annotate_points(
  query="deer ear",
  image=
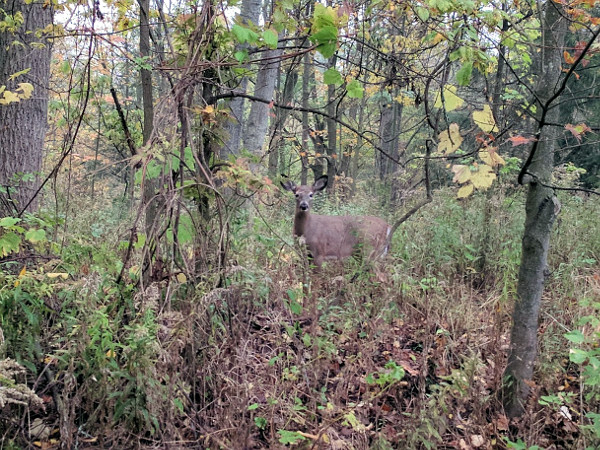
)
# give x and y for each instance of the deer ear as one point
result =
(289, 186)
(320, 183)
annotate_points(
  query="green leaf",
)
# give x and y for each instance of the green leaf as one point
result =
(34, 236)
(244, 34)
(423, 13)
(355, 89)
(326, 40)
(327, 50)
(370, 379)
(323, 17)
(575, 336)
(7, 222)
(9, 243)
(179, 404)
(463, 76)
(295, 307)
(261, 422)
(289, 437)
(253, 406)
(577, 356)
(241, 56)
(140, 241)
(271, 39)
(332, 76)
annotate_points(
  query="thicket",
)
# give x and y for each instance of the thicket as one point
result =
(408, 354)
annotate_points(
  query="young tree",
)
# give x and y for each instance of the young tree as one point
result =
(542, 208)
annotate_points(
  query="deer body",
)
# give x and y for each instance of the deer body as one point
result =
(336, 237)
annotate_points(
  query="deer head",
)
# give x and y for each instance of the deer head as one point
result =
(335, 237)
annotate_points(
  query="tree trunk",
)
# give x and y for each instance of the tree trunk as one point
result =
(305, 127)
(23, 124)
(389, 138)
(249, 12)
(149, 185)
(541, 210)
(331, 131)
(258, 120)
(281, 115)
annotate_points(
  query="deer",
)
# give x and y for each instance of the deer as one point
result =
(336, 237)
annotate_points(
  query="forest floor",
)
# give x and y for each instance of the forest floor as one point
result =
(406, 355)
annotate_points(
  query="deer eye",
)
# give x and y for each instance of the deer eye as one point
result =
(310, 195)
(297, 195)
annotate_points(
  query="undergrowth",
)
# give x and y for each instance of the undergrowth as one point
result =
(406, 353)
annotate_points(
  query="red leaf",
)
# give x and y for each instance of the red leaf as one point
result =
(568, 58)
(578, 130)
(520, 140)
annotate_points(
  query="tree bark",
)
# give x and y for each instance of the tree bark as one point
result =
(281, 114)
(389, 138)
(249, 12)
(148, 106)
(306, 73)
(541, 210)
(258, 120)
(331, 131)
(23, 124)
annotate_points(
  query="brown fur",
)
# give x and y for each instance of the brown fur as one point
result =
(335, 237)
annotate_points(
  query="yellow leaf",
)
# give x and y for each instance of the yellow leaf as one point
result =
(404, 99)
(9, 97)
(18, 74)
(63, 275)
(18, 282)
(181, 278)
(23, 271)
(111, 354)
(462, 174)
(484, 177)
(451, 100)
(439, 37)
(490, 157)
(450, 140)
(465, 191)
(485, 120)
(25, 90)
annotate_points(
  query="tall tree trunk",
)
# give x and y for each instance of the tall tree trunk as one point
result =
(541, 210)
(306, 73)
(258, 120)
(149, 189)
(281, 114)
(389, 137)
(353, 173)
(23, 124)
(331, 131)
(249, 12)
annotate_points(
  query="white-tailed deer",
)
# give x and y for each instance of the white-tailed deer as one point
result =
(336, 237)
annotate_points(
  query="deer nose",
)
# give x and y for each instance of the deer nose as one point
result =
(303, 206)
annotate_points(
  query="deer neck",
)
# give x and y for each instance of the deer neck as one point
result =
(301, 220)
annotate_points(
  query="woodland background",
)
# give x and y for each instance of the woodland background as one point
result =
(152, 294)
